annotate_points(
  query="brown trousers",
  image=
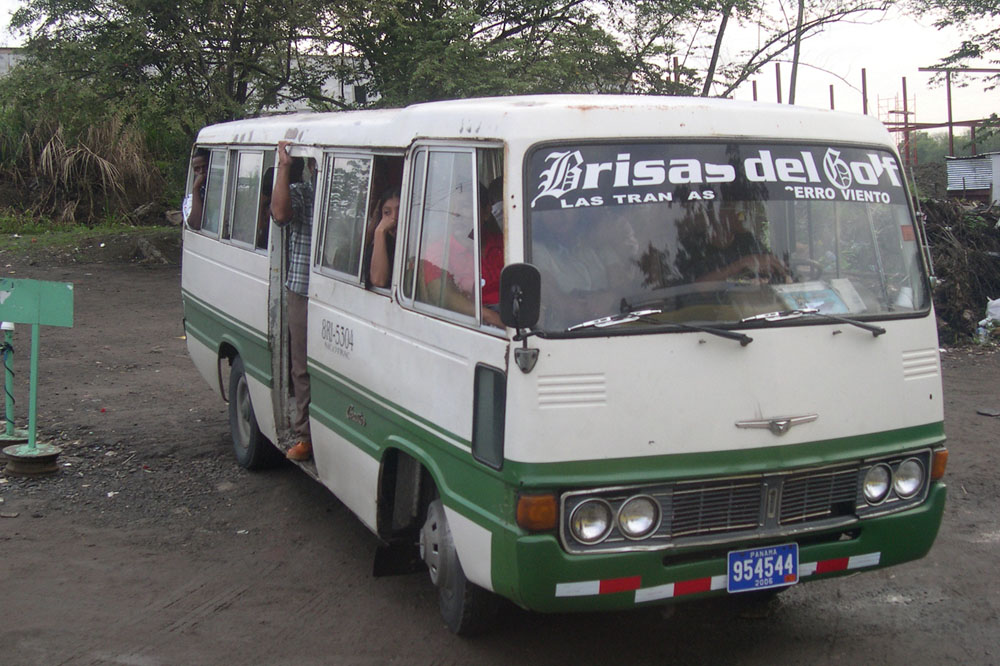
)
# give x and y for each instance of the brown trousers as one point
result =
(297, 320)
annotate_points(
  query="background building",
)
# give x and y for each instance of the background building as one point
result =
(976, 178)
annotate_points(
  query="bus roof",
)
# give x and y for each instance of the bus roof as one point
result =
(529, 119)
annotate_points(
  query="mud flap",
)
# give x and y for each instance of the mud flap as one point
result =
(396, 559)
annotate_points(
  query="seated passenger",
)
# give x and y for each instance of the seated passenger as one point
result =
(491, 256)
(576, 284)
(382, 248)
(193, 207)
(567, 255)
(454, 286)
(495, 193)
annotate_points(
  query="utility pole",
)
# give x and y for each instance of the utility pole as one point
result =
(947, 79)
(795, 52)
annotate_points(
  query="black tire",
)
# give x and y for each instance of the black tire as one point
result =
(467, 609)
(252, 449)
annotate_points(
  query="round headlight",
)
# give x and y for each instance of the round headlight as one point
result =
(877, 482)
(909, 478)
(639, 517)
(591, 521)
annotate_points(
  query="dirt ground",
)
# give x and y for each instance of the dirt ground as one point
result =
(152, 547)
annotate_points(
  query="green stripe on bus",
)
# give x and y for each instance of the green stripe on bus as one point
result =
(731, 462)
(213, 327)
(582, 473)
(316, 368)
(374, 424)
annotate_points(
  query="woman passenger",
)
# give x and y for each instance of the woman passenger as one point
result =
(383, 245)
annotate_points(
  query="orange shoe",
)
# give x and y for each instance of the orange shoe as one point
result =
(301, 451)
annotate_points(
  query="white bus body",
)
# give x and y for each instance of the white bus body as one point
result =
(675, 427)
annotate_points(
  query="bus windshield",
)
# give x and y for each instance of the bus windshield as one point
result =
(717, 233)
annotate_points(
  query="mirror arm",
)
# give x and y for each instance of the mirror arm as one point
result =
(525, 357)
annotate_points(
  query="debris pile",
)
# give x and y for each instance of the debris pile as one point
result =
(965, 247)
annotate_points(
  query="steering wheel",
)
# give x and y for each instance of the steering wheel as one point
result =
(800, 266)
(767, 269)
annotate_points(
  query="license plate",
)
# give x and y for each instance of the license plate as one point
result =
(763, 568)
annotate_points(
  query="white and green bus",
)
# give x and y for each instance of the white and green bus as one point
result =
(717, 371)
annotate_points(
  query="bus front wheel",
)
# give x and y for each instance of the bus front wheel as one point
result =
(252, 449)
(467, 609)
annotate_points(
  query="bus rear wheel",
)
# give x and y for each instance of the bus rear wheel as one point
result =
(252, 449)
(467, 609)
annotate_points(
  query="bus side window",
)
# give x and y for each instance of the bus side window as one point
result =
(245, 189)
(344, 215)
(446, 268)
(264, 205)
(489, 169)
(386, 184)
(417, 186)
(214, 189)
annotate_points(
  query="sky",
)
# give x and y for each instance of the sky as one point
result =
(888, 49)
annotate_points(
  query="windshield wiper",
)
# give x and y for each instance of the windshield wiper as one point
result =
(635, 315)
(785, 315)
(615, 319)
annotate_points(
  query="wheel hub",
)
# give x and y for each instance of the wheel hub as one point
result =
(435, 543)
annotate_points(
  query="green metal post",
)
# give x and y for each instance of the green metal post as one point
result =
(33, 400)
(34, 302)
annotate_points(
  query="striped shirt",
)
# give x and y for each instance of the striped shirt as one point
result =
(300, 237)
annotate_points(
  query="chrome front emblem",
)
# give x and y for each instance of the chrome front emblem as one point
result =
(780, 425)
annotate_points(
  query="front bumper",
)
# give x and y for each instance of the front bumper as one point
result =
(546, 578)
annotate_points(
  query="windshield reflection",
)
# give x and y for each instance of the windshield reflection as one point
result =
(723, 252)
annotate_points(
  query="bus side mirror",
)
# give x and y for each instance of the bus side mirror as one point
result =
(520, 295)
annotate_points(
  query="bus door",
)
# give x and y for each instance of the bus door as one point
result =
(281, 390)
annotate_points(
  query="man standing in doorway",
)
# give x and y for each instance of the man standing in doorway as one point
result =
(292, 204)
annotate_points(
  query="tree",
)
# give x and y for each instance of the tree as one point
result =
(407, 51)
(67, 155)
(200, 60)
(165, 68)
(978, 19)
(147, 74)
(780, 28)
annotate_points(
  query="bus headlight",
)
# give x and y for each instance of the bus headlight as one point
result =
(909, 478)
(591, 521)
(877, 482)
(639, 517)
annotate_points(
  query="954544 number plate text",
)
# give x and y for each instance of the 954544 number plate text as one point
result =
(763, 568)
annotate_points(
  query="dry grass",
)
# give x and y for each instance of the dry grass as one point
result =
(965, 246)
(105, 172)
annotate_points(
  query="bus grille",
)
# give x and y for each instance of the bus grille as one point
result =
(740, 509)
(817, 495)
(710, 508)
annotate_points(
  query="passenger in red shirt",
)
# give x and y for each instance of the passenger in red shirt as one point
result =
(459, 278)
